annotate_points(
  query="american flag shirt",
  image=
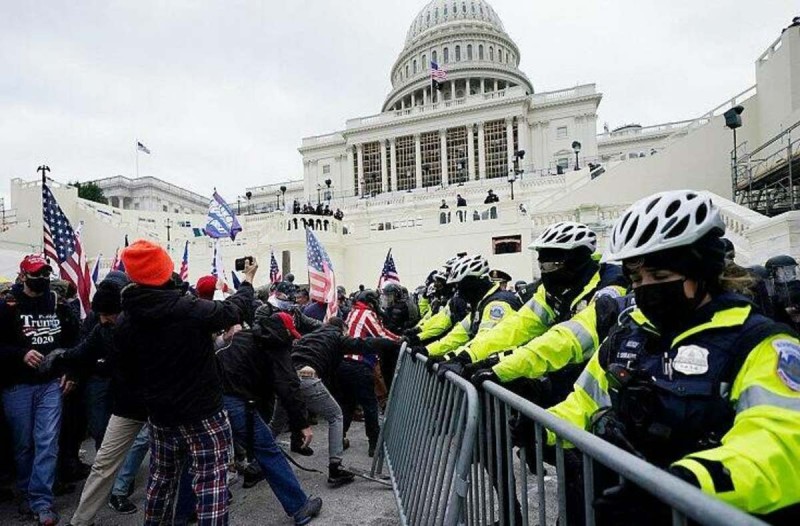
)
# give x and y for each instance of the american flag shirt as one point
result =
(363, 322)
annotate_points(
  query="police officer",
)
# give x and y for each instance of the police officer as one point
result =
(454, 309)
(500, 277)
(394, 308)
(488, 306)
(571, 280)
(781, 271)
(691, 378)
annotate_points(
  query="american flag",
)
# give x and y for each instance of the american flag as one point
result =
(63, 245)
(438, 74)
(322, 281)
(184, 272)
(389, 272)
(274, 271)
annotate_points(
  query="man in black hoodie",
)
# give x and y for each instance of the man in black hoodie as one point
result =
(33, 324)
(171, 335)
(255, 365)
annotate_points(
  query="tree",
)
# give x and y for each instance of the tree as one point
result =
(90, 191)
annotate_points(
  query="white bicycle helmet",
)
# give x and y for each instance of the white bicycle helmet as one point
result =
(566, 236)
(475, 266)
(662, 221)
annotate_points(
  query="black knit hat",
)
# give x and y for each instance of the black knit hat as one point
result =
(107, 298)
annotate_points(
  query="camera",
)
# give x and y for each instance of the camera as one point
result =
(240, 263)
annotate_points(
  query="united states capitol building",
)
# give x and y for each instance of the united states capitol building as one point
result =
(484, 128)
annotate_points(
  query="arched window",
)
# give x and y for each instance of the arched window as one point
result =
(406, 70)
(428, 18)
(445, 11)
(446, 55)
(480, 52)
(463, 7)
(415, 67)
(458, 53)
(469, 51)
(473, 9)
(436, 14)
(434, 57)
(499, 54)
(425, 61)
(491, 53)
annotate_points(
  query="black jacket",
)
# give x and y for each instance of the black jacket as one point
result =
(169, 334)
(98, 352)
(257, 365)
(324, 348)
(42, 324)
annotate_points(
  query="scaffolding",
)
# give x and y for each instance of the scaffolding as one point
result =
(406, 163)
(431, 159)
(372, 168)
(766, 179)
(496, 145)
(457, 155)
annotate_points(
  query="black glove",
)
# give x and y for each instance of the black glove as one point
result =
(53, 363)
(607, 425)
(484, 375)
(522, 431)
(471, 368)
(432, 361)
(455, 364)
(412, 339)
(418, 350)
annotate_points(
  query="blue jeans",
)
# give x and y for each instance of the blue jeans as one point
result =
(34, 416)
(98, 407)
(269, 456)
(133, 462)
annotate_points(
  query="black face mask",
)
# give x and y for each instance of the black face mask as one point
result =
(665, 305)
(38, 285)
(557, 281)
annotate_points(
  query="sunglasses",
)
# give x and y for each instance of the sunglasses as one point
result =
(550, 266)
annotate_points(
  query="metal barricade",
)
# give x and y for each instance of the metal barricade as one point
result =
(451, 459)
(575, 474)
(427, 442)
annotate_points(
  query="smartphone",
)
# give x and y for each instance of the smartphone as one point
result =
(240, 263)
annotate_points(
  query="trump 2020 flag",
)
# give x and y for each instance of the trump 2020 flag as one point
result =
(222, 221)
(322, 281)
(389, 272)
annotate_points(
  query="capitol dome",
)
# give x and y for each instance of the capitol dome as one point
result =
(468, 40)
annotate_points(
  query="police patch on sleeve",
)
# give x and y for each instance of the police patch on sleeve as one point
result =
(788, 363)
(497, 312)
(608, 292)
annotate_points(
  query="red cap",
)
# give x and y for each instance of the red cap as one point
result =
(34, 263)
(288, 322)
(206, 287)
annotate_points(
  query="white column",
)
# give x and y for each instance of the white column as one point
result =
(483, 85)
(470, 152)
(424, 96)
(403, 103)
(443, 146)
(481, 151)
(393, 161)
(348, 171)
(384, 171)
(495, 84)
(524, 140)
(360, 153)
(452, 90)
(510, 142)
(418, 159)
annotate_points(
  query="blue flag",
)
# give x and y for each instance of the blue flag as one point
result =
(235, 280)
(222, 221)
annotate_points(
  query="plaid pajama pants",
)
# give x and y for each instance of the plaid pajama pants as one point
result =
(205, 446)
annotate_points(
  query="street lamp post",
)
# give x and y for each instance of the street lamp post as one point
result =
(733, 120)
(169, 226)
(248, 195)
(283, 195)
(278, 200)
(328, 193)
(511, 178)
(576, 147)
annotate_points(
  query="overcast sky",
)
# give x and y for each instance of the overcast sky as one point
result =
(222, 92)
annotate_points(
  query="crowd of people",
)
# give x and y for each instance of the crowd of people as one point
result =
(319, 210)
(665, 348)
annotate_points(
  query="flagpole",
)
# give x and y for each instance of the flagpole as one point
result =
(136, 147)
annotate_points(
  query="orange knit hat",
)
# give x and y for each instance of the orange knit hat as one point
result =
(146, 263)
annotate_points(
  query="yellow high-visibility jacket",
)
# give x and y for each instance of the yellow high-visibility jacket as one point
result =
(537, 316)
(756, 467)
(495, 306)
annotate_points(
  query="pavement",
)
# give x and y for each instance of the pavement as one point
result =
(361, 503)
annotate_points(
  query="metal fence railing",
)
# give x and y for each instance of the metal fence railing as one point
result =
(452, 459)
(427, 442)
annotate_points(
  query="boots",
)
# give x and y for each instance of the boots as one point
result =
(337, 476)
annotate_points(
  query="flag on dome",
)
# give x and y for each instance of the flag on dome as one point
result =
(63, 245)
(321, 279)
(389, 272)
(438, 75)
(222, 222)
(184, 272)
(142, 148)
(274, 271)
